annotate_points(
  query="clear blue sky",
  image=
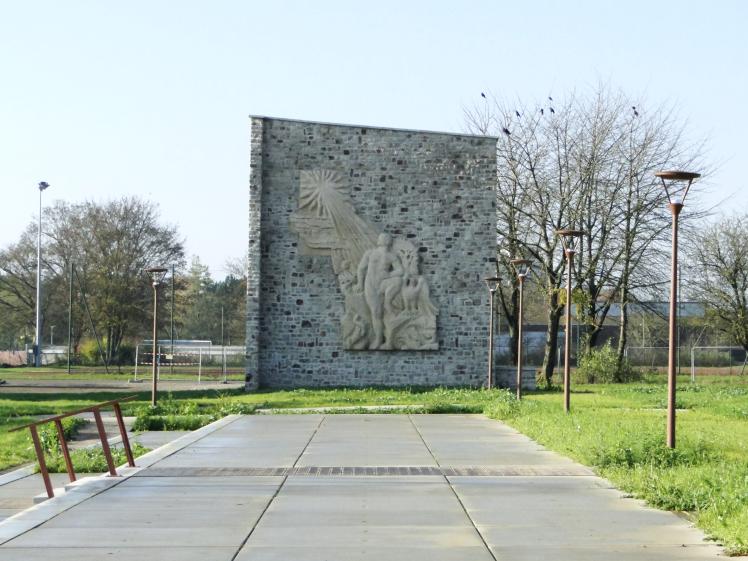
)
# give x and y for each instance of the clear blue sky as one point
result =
(104, 99)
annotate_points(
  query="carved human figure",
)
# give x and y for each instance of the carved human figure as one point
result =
(380, 276)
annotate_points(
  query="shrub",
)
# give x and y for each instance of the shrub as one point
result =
(171, 422)
(600, 365)
(91, 460)
(649, 450)
(505, 406)
(88, 353)
(48, 433)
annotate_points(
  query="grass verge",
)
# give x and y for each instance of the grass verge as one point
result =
(91, 460)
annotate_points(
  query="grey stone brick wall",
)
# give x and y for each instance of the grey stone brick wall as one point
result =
(254, 262)
(434, 189)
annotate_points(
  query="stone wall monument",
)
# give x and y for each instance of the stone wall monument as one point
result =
(367, 248)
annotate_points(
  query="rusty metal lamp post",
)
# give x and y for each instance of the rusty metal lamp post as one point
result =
(569, 239)
(493, 285)
(157, 275)
(676, 184)
(522, 266)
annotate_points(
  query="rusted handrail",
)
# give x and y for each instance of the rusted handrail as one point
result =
(57, 420)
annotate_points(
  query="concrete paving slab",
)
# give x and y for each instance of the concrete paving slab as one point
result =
(203, 499)
(371, 440)
(119, 537)
(478, 441)
(155, 439)
(165, 552)
(266, 441)
(364, 553)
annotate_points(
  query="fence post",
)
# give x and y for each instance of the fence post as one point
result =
(223, 354)
(136, 362)
(693, 365)
(157, 358)
(199, 364)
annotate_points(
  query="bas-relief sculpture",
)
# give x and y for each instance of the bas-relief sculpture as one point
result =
(387, 302)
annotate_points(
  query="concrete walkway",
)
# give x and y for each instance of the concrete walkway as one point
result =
(353, 487)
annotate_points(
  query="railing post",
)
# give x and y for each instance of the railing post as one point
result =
(42, 463)
(123, 433)
(104, 442)
(65, 451)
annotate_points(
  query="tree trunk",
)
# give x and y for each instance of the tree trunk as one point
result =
(591, 337)
(551, 338)
(512, 319)
(624, 329)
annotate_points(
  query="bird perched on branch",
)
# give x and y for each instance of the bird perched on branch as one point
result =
(552, 110)
(633, 108)
(505, 131)
(483, 95)
(541, 111)
(517, 113)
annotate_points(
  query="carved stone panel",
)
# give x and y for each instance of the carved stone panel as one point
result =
(387, 300)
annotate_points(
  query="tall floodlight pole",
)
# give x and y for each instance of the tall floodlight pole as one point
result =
(38, 334)
(569, 239)
(493, 285)
(676, 184)
(171, 330)
(157, 275)
(522, 267)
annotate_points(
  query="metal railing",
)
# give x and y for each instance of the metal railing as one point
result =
(57, 420)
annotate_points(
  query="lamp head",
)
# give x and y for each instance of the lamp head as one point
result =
(569, 238)
(522, 266)
(43, 185)
(492, 283)
(676, 184)
(157, 274)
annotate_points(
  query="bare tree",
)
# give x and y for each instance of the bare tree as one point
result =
(719, 255)
(587, 163)
(537, 189)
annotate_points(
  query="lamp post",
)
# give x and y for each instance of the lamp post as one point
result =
(569, 239)
(522, 266)
(676, 185)
(157, 275)
(493, 285)
(38, 333)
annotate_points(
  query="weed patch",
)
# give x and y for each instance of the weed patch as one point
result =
(91, 460)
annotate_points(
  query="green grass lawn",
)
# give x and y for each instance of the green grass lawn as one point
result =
(617, 429)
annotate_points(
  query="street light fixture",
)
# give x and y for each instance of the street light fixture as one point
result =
(38, 334)
(676, 185)
(569, 240)
(157, 275)
(522, 266)
(493, 285)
